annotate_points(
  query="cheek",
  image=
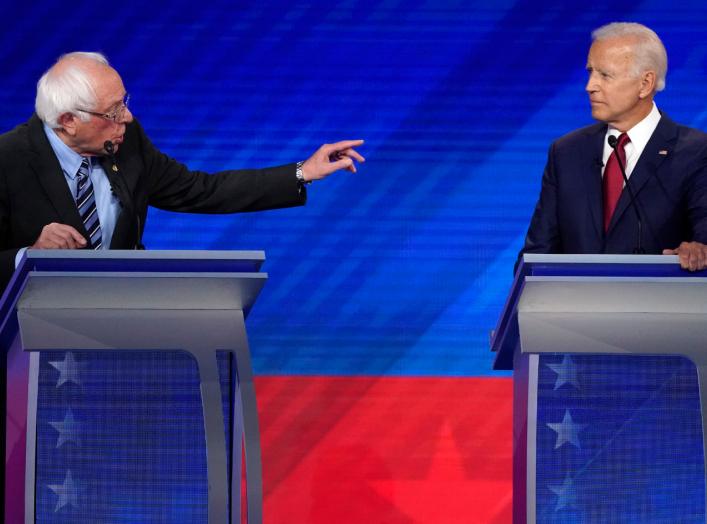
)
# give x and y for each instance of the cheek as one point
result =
(101, 132)
(626, 91)
(624, 99)
(615, 96)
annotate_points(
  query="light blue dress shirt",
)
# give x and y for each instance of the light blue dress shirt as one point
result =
(107, 204)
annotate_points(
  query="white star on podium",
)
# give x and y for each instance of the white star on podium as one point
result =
(567, 431)
(69, 370)
(566, 373)
(67, 492)
(566, 494)
(68, 429)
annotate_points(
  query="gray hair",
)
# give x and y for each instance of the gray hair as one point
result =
(67, 89)
(649, 52)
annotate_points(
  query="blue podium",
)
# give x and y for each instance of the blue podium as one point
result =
(130, 394)
(609, 355)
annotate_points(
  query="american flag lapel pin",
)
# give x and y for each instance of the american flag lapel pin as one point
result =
(663, 152)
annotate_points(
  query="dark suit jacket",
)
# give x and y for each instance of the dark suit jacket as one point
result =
(669, 183)
(34, 192)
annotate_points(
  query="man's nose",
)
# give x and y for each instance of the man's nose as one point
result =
(126, 117)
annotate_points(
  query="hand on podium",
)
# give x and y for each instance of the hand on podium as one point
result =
(693, 255)
(59, 236)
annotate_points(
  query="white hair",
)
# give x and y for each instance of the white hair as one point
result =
(648, 52)
(66, 89)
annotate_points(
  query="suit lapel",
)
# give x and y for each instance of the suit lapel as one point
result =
(123, 179)
(658, 148)
(592, 159)
(48, 170)
(116, 184)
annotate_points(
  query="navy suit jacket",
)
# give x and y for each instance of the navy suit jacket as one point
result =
(34, 192)
(669, 182)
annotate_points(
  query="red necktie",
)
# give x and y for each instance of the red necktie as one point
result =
(613, 182)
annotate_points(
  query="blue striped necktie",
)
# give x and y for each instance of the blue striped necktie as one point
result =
(86, 203)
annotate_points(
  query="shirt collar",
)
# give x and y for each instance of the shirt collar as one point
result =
(69, 160)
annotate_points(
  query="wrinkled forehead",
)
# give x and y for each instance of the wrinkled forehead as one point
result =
(108, 86)
(612, 54)
(617, 47)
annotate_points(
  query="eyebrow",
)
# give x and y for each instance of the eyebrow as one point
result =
(598, 69)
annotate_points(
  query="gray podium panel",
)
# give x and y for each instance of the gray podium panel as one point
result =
(597, 307)
(197, 311)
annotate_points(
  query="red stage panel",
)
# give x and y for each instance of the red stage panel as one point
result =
(386, 450)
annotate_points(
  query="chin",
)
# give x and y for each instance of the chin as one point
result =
(599, 115)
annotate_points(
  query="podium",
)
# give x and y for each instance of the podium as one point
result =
(609, 357)
(183, 305)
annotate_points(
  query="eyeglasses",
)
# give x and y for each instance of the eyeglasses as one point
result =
(115, 115)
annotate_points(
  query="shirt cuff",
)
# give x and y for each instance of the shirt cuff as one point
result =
(19, 255)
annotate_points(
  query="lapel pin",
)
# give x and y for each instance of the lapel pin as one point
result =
(115, 168)
(663, 152)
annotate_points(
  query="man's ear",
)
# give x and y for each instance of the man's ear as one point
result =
(68, 121)
(648, 83)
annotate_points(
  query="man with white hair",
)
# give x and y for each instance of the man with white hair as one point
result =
(81, 172)
(585, 206)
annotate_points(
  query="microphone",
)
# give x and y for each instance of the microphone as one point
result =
(613, 143)
(110, 149)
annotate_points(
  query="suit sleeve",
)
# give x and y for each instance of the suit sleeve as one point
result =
(697, 198)
(7, 254)
(544, 233)
(172, 186)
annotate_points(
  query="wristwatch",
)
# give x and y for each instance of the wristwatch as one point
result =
(300, 175)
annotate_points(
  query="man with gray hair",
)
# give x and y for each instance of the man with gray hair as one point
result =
(81, 172)
(585, 206)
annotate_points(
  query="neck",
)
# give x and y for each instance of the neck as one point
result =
(68, 140)
(641, 112)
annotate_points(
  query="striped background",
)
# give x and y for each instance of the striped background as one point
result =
(371, 338)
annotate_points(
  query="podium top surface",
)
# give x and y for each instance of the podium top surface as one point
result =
(505, 336)
(43, 275)
(144, 254)
(611, 263)
(141, 260)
